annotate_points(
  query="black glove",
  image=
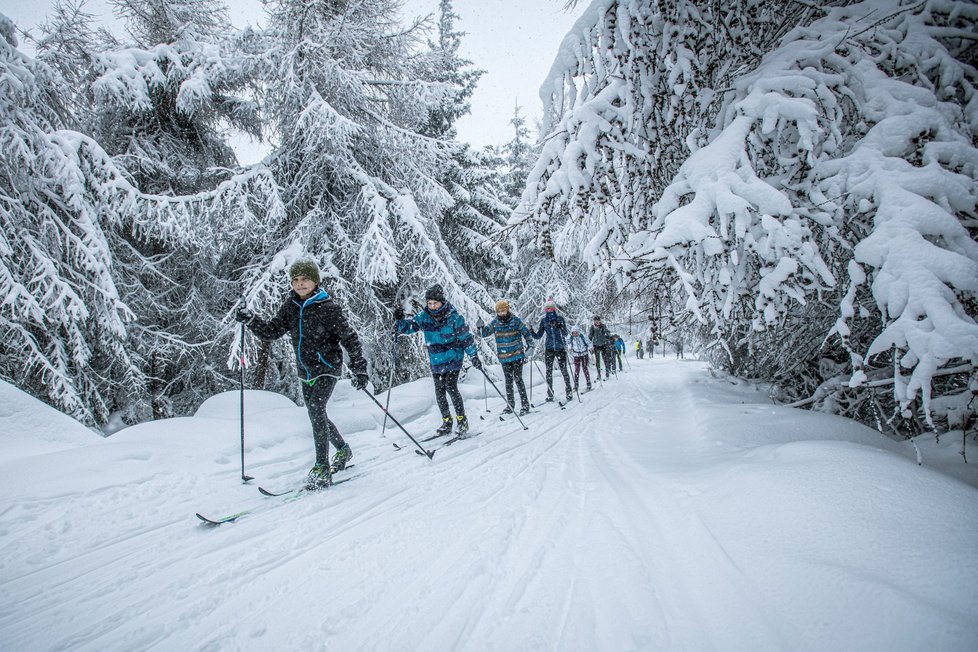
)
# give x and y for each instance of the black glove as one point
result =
(244, 315)
(476, 362)
(398, 313)
(359, 381)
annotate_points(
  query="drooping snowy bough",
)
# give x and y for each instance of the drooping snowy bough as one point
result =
(800, 178)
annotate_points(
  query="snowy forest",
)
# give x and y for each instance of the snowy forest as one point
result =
(788, 190)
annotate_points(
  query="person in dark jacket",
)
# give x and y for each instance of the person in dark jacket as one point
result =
(513, 346)
(448, 339)
(619, 349)
(318, 328)
(600, 338)
(555, 328)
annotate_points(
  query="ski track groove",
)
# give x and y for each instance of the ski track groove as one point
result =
(556, 486)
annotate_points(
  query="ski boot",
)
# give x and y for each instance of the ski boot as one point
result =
(525, 410)
(507, 410)
(342, 458)
(445, 427)
(461, 426)
(319, 477)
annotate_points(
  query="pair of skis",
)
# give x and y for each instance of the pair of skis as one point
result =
(287, 496)
(457, 438)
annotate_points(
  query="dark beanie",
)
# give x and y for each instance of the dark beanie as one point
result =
(435, 293)
(305, 268)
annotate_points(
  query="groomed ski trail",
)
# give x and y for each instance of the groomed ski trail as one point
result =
(605, 526)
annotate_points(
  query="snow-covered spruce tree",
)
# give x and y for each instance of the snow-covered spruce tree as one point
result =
(534, 273)
(472, 224)
(818, 200)
(347, 88)
(62, 325)
(163, 100)
(518, 157)
(65, 330)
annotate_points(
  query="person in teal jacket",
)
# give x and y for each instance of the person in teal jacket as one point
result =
(448, 339)
(513, 344)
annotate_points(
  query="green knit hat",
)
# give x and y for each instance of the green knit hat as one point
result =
(305, 268)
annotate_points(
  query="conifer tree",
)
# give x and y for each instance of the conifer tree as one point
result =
(754, 161)
(352, 99)
(162, 101)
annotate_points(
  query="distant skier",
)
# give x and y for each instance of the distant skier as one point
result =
(317, 327)
(513, 346)
(600, 338)
(580, 346)
(555, 328)
(639, 349)
(448, 339)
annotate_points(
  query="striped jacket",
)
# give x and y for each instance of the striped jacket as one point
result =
(510, 332)
(445, 333)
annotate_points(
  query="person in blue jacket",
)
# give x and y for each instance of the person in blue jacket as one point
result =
(511, 334)
(555, 328)
(448, 339)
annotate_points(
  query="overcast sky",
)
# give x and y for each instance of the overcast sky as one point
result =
(515, 41)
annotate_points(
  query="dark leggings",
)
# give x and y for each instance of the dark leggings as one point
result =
(323, 430)
(603, 353)
(548, 360)
(447, 383)
(579, 362)
(513, 372)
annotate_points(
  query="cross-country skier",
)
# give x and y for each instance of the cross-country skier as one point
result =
(580, 346)
(448, 339)
(555, 328)
(318, 327)
(600, 338)
(513, 346)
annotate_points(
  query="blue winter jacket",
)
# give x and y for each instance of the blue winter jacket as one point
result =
(556, 329)
(510, 332)
(446, 334)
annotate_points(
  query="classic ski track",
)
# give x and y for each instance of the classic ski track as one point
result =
(673, 524)
(550, 487)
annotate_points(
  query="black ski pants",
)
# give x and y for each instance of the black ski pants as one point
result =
(446, 385)
(548, 359)
(604, 353)
(324, 431)
(513, 373)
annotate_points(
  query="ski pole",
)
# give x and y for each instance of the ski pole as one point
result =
(397, 423)
(241, 362)
(390, 384)
(504, 398)
(485, 393)
(543, 375)
(567, 364)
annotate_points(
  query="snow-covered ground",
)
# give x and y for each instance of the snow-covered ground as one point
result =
(672, 510)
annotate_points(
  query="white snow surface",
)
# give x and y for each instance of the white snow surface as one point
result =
(29, 427)
(672, 510)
